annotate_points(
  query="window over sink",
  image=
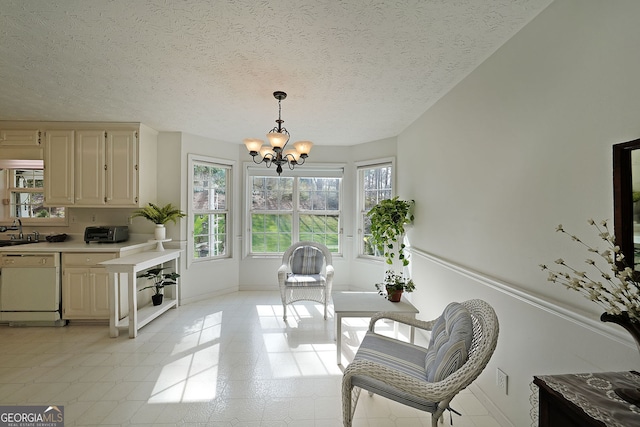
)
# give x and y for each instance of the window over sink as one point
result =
(24, 198)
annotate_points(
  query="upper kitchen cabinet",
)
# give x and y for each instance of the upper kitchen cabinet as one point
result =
(110, 165)
(58, 150)
(19, 137)
(107, 171)
(19, 144)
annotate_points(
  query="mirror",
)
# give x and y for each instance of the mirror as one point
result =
(626, 199)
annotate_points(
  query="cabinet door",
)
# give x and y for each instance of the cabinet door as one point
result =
(100, 293)
(122, 168)
(12, 137)
(76, 294)
(90, 168)
(58, 168)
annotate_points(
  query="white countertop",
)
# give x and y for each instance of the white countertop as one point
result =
(75, 245)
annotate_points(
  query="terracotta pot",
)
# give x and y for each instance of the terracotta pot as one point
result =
(394, 295)
(630, 395)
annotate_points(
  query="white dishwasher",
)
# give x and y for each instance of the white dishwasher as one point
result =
(30, 289)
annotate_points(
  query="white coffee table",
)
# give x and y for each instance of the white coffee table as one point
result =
(364, 304)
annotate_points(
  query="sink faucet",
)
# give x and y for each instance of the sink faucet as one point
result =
(19, 221)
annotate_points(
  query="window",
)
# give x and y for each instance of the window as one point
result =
(375, 183)
(25, 190)
(289, 209)
(210, 208)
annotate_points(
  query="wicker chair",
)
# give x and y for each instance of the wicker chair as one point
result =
(306, 274)
(399, 376)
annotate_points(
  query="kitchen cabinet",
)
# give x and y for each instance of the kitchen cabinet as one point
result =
(19, 137)
(85, 285)
(108, 166)
(59, 166)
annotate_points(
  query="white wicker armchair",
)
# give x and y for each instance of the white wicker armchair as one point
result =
(306, 274)
(401, 378)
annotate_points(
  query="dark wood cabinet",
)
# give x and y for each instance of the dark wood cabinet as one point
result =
(586, 400)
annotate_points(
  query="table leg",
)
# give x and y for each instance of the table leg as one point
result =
(339, 338)
(113, 304)
(133, 306)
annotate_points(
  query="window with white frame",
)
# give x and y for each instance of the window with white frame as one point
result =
(25, 194)
(210, 208)
(375, 183)
(303, 206)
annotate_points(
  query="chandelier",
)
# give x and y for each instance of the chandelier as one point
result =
(278, 138)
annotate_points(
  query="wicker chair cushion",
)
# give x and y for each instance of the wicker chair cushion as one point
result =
(398, 355)
(305, 280)
(450, 342)
(306, 260)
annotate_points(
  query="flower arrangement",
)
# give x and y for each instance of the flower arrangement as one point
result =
(609, 281)
(395, 282)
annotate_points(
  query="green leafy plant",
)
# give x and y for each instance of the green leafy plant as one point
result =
(159, 215)
(388, 219)
(395, 282)
(160, 279)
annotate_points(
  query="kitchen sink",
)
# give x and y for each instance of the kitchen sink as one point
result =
(15, 242)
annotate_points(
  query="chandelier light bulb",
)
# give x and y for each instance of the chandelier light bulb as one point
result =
(253, 144)
(277, 140)
(264, 151)
(292, 154)
(303, 147)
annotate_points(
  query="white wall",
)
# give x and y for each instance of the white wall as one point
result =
(205, 278)
(519, 146)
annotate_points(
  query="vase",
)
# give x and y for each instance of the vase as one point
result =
(631, 395)
(394, 295)
(160, 233)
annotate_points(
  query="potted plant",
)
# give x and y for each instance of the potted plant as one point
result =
(159, 216)
(388, 219)
(160, 280)
(393, 286)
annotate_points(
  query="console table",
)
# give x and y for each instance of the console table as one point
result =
(585, 400)
(131, 265)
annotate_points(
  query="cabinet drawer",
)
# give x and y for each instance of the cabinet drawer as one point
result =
(86, 259)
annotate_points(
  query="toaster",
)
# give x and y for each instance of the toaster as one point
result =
(106, 234)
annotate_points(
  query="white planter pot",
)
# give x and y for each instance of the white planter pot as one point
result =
(160, 233)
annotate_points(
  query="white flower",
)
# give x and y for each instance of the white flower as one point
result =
(618, 292)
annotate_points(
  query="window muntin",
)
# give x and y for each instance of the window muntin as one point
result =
(25, 188)
(284, 210)
(210, 208)
(375, 184)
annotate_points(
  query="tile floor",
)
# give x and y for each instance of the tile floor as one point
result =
(226, 361)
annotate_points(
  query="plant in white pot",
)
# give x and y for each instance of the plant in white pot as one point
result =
(160, 280)
(159, 215)
(388, 220)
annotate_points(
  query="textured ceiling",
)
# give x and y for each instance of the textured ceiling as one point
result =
(355, 70)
